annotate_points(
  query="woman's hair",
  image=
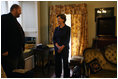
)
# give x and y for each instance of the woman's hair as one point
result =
(14, 6)
(63, 16)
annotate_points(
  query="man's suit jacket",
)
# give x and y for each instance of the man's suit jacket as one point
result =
(12, 35)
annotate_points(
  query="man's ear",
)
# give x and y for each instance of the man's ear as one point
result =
(14, 10)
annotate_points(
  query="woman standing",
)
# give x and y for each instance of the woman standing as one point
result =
(61, 44)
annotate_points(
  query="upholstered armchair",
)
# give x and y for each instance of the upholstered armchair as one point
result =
(101, 64)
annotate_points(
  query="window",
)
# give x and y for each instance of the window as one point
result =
(5, 7)
(68, 22)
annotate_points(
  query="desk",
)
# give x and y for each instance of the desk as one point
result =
(51, 55)
(40, 55)
(43, 56)
(51, 46)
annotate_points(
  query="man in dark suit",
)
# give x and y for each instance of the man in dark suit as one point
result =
(12, 41)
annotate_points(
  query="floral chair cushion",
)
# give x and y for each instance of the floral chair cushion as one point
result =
(111, 53)
(92, 53)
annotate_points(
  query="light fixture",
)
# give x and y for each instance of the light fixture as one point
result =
(104, 12)
(101, 11)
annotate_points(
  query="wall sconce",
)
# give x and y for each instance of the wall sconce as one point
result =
(101, 11)
(104, 12)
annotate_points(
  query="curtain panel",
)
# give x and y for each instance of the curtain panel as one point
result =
(79, 25)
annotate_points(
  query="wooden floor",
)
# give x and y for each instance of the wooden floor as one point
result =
(38, 73)
(51, 73)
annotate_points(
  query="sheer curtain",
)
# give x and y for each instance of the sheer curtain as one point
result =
(5, 7)
(79, 28)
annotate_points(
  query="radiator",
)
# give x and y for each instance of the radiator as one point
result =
(29, 62)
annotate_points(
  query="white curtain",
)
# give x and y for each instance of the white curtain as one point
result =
(5, 7)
